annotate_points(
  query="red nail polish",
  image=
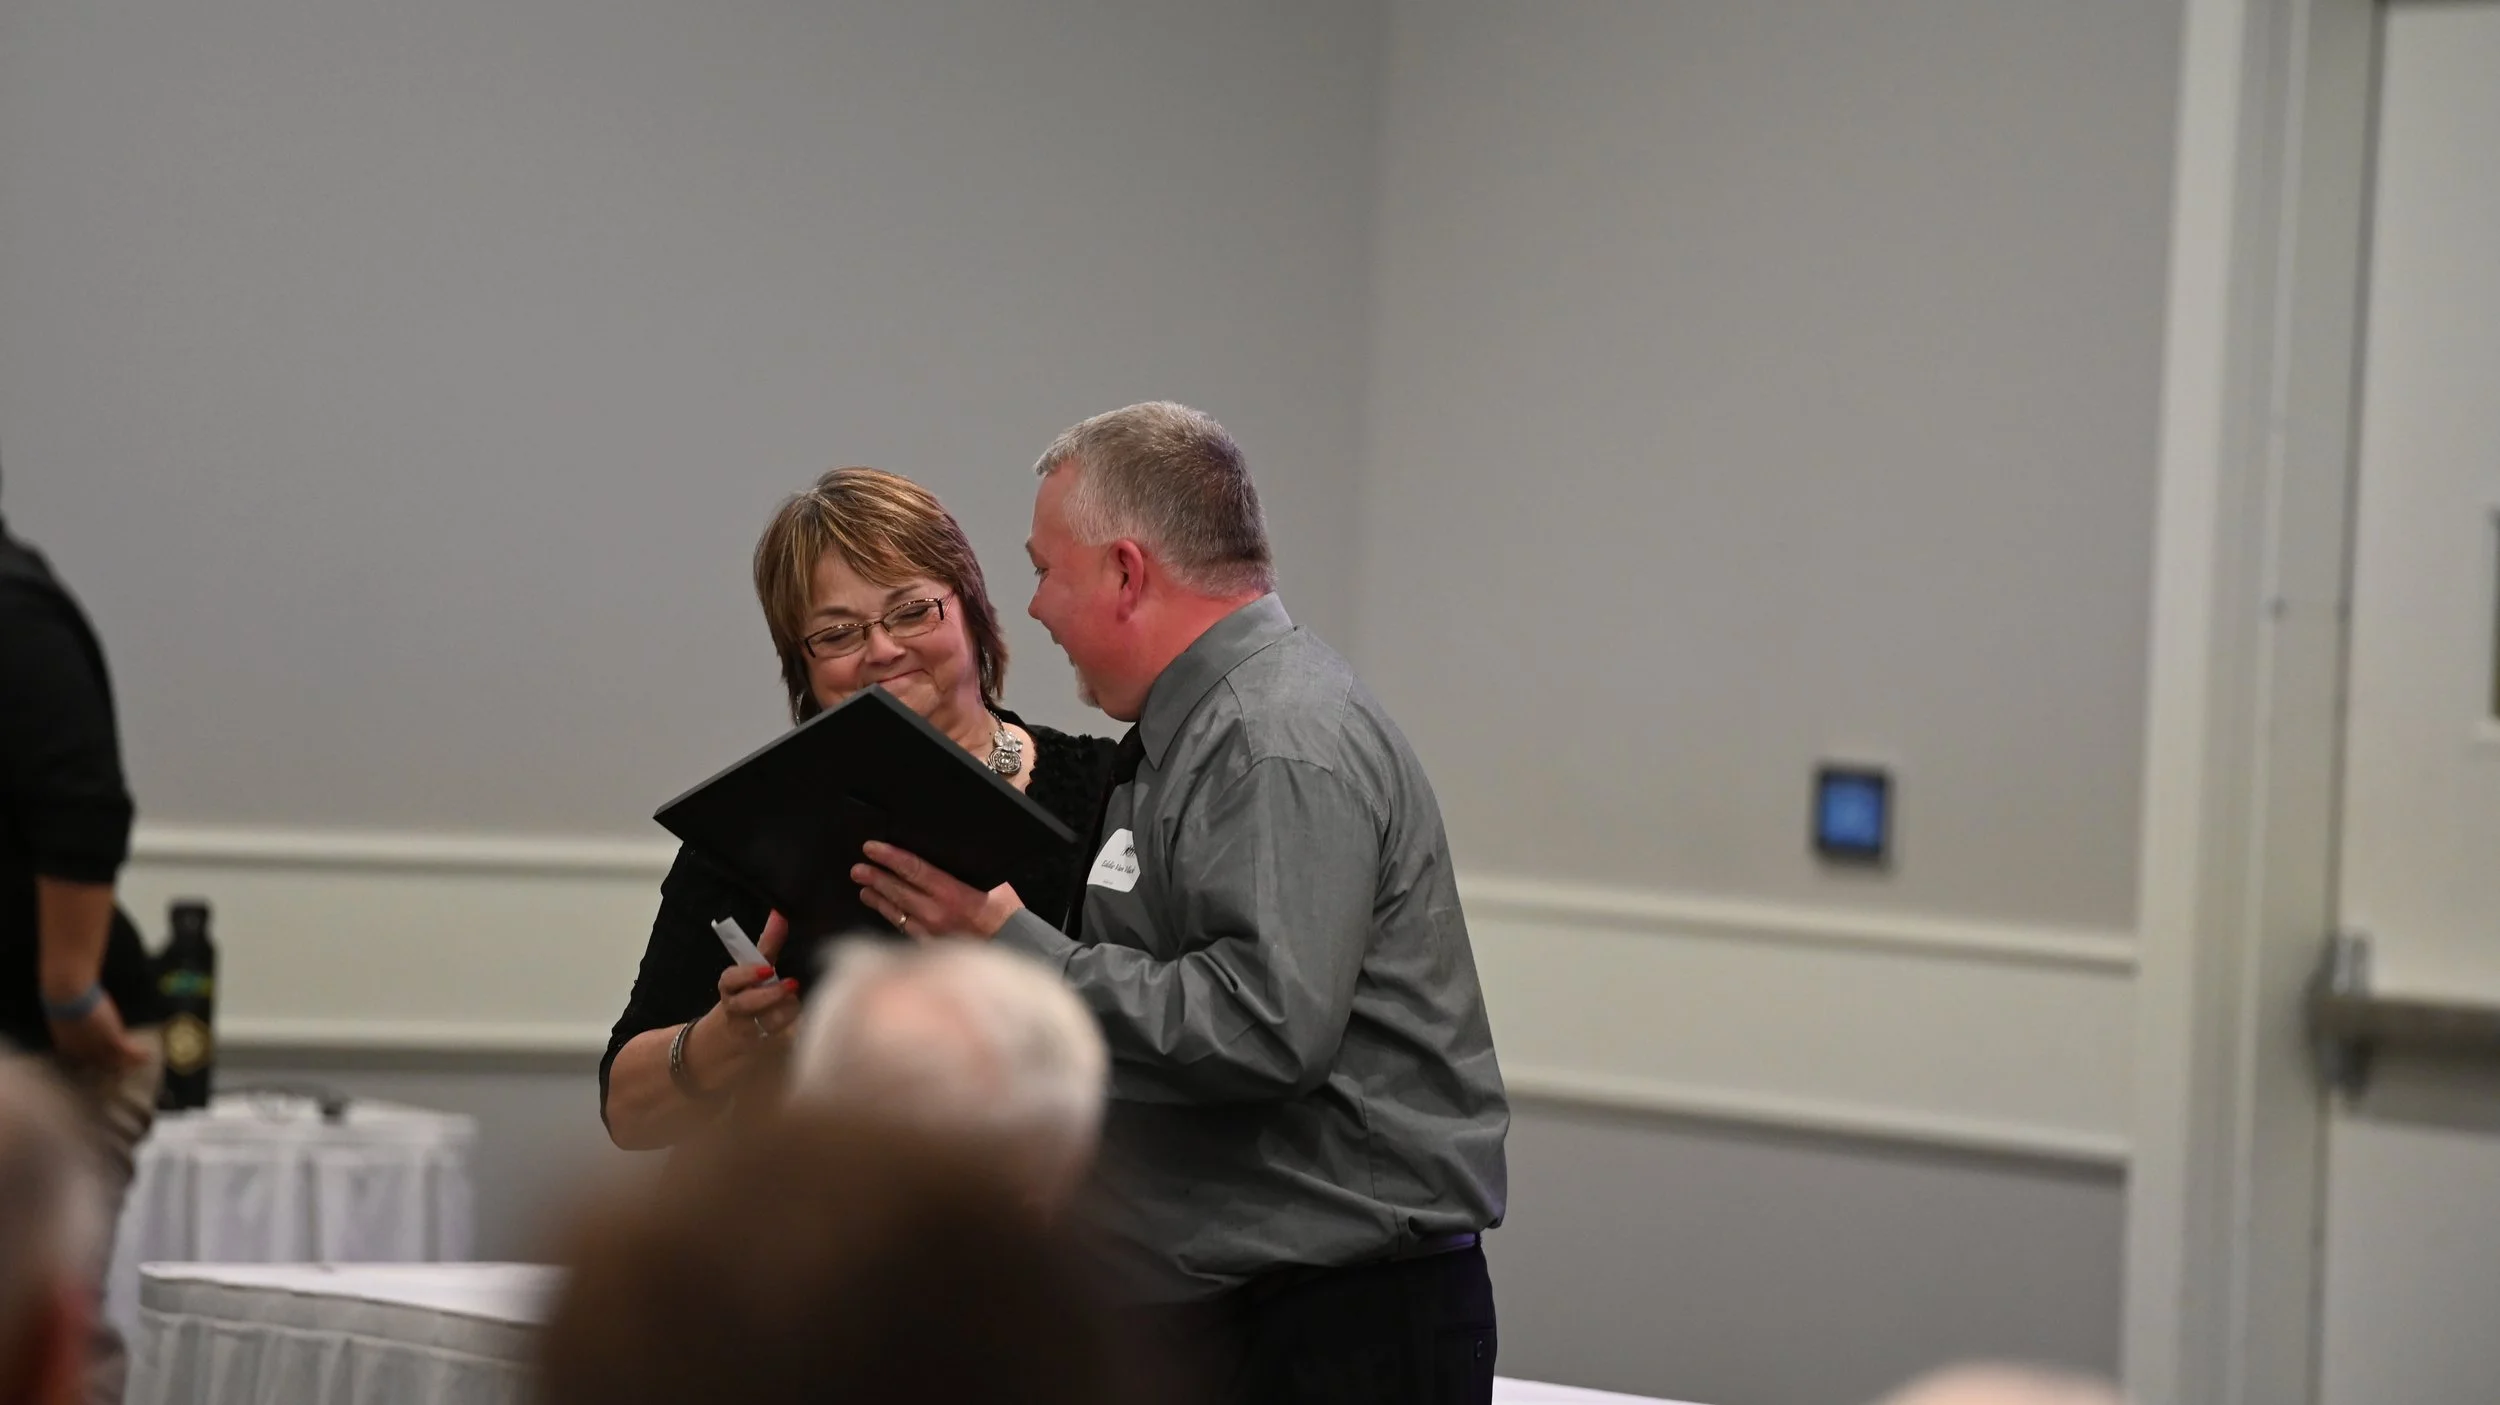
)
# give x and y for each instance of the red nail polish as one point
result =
(790, 985)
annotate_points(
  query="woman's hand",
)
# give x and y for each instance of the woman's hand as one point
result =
(923, 900)
(757, 1005)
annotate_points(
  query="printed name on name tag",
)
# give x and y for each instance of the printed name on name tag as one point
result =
(1116, 866)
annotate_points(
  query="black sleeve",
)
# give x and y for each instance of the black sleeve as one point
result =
(60, 759)
(681, 965)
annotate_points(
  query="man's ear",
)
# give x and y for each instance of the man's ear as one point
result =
(1130, 568)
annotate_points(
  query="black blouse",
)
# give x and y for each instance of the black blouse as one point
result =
(681, 965)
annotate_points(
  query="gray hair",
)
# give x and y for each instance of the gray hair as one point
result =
(1170, 478)
(963, 1039)
(53, 1222)
(1984, 1383)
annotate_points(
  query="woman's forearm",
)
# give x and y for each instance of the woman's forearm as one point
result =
(645, 1109)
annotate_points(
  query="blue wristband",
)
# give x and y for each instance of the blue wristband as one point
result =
(76, 1008)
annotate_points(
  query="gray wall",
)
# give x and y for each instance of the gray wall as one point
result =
(1713, 1263)
(1757, 383)
(403, 387)
(1752, 384)
(1654, 397)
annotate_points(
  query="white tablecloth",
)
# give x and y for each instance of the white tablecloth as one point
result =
(336, 1334)
(393, 1334)
(256, 1178)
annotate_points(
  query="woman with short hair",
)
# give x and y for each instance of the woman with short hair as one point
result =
(864, 579)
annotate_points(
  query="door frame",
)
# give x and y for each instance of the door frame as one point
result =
(2243, 727)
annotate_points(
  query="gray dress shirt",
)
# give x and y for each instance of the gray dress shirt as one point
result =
(1302, 1072)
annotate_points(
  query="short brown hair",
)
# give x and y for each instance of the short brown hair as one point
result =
(887, 528)
(1169, 477)
(823, 1259)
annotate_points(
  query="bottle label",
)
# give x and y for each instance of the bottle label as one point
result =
(188, 1044)
(187, 985)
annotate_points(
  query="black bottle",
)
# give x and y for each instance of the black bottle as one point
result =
(186, 976)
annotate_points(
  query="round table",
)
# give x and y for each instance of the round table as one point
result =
(268, 1178)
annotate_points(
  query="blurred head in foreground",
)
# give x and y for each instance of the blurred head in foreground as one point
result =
(828, 1258)
(961, 1040)
(1993, 1384)
(52, 1236)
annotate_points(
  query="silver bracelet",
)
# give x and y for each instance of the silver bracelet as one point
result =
(677, 1065)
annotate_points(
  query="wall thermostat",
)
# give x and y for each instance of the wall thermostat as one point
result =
(1853, 813)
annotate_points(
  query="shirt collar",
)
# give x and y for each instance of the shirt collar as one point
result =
(1186, 680)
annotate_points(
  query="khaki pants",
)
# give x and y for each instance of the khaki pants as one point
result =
(119, 1108)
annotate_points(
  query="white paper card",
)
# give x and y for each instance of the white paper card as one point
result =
(1116, 866)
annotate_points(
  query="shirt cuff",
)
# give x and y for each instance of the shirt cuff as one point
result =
(1028, 933)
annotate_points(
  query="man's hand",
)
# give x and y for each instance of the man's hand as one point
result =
(96, 1040)
(924, 900)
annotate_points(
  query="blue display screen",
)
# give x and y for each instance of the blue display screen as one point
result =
(1852, 813)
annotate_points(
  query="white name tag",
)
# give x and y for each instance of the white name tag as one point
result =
(1116, 866)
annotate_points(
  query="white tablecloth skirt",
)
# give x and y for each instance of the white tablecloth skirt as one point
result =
(393, 1334)
(255, 1179)
(311, 1334)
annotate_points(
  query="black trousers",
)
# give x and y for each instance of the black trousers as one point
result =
(1407, 1332)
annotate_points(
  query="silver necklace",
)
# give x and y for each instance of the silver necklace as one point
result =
(1006, 748)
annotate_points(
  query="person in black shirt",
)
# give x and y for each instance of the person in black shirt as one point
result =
(864, 578)
(75, 987)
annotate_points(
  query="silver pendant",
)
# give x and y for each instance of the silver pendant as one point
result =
(1006, 750)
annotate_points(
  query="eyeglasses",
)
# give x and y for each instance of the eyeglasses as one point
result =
(908, 620)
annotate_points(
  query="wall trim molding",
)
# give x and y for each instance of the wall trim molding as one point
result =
(1510, 896)
(412, 1036)
(270, 855)
(252, 846)
(1586, 904)
(1820, 1117)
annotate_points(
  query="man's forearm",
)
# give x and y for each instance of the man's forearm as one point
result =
(73, 921)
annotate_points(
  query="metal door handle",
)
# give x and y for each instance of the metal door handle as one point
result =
(2348, 1026)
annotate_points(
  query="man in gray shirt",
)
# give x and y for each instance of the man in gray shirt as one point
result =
(1306, 1119)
